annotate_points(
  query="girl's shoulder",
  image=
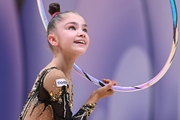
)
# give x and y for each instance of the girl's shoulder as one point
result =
(53, 77)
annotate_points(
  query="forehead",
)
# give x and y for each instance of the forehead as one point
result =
(73, 17)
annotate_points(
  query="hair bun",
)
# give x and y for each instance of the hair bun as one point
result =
(53, 8)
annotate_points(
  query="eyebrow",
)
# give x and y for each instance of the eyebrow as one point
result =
(75, 23)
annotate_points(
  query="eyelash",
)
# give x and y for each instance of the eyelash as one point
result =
(85, 30)
(70, 28)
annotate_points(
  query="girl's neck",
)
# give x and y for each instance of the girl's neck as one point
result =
(63, 63)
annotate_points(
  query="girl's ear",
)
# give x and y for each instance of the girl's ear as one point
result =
(52, 40)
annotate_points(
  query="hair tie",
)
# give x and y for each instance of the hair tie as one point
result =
(54, 15)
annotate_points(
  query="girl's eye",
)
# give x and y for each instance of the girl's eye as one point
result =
(72, 28)
(85, 30)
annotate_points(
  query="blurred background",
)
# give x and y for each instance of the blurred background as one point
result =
(130, 43)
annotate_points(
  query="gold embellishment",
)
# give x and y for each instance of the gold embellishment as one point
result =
(56, 96)
(88, 108)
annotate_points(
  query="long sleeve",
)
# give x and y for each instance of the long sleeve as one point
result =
(60, 92)
(62, 108)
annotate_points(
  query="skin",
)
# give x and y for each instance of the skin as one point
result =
(64, 40)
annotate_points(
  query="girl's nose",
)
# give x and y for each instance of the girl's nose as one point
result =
(81, 33)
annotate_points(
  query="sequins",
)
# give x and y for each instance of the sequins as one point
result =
(88, 108)
(56, 96)
(36, 107)
(33, 99)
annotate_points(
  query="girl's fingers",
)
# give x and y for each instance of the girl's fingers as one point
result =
(107, 81)
(108, 86)
(114, 83)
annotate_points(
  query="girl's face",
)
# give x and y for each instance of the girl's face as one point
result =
(72, 34)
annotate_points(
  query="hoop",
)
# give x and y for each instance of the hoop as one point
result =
(141, 86)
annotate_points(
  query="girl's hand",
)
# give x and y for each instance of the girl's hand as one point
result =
(106, 90)
(102, 92)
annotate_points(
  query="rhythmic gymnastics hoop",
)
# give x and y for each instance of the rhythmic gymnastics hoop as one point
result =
(141, 86)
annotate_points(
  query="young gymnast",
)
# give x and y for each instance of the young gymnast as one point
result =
(51, 97)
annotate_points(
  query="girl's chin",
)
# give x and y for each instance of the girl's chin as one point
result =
(80, 51)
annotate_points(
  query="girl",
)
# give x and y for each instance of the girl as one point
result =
(51, 97)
